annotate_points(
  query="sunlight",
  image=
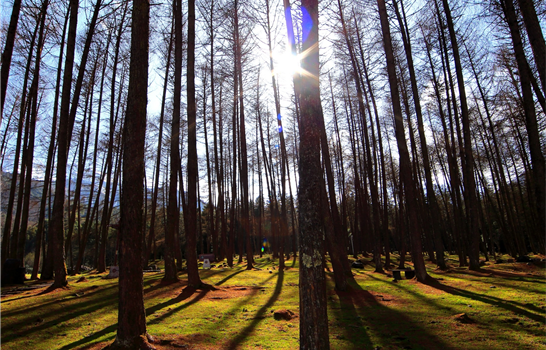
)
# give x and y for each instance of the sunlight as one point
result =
(286, 62)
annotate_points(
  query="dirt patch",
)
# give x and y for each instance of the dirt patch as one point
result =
(284, 315)
(463, 318)
(174, 290)
(232, 292)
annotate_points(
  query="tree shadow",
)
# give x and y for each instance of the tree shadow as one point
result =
(226, 314)
(60, 298)
(92, 337)
(512, 279)
(355, 332)
(185, 294)
(386, 321)
(70, 312)
(512, 306)
(224, 280)
(259, 316)
(20, 298)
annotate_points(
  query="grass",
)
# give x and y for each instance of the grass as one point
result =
(504, 306)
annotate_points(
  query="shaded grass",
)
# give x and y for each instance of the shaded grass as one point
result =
(506, 307)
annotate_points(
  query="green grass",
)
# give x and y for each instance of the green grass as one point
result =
(505, 303)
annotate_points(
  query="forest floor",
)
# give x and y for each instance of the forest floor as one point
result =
(501, 307)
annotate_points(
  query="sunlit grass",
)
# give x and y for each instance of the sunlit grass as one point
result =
(505, 303)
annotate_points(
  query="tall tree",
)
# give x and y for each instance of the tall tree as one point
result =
(8, 51)
(131, 332)
(405, 163)
(433, 209)
(63, 140)
(190, 218)
(33, 97)
(531, 123)
(173, 214)
(313, 315)
(468, 163)
(245, 216)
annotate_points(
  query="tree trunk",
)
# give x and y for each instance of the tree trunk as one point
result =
(191, 217)
(405, 164)
(433, 209)
(313, 315)
(537, 158)
(468, 164)
(101, 259)
(131, 332)
(173, 213)
(57, 229)
(6, 54)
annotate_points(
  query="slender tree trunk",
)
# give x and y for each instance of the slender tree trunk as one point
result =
(431, 196)
(468, 164)
(33, 99)
(191, 217)
(173, 214)
(101, 262)
(537, 157)
(57, 229)
(6, 54)
(405, 164)
(536, 38)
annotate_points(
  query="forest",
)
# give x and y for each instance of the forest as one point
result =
(139, 131)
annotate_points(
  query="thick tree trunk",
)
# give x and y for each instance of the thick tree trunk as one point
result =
(131, 332)
(313, 315)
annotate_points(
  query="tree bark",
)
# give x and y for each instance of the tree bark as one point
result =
(191, 213)
(313, 315)
(131, 332)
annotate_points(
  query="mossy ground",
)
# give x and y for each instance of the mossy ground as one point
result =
(505, 305)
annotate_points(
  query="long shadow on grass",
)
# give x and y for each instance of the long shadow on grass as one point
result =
(395, 324)
(92, 337)
(226, 318)
(57, 300)
(228, 277)
(357, 334)
(69, 312)
(14, 299)
(260, 315)
(186, 293)
(492, 301)
(511, 283)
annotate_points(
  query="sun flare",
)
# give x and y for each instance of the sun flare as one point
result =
(286, 63)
